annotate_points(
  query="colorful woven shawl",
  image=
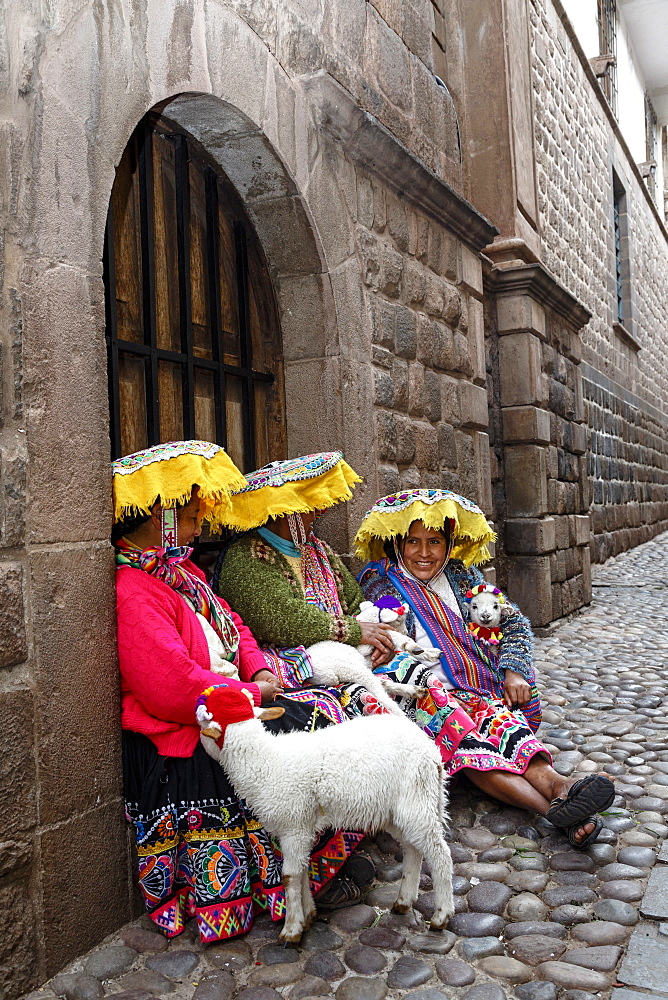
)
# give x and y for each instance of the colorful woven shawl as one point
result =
(167, 565)
(466, 665)
(319, 581)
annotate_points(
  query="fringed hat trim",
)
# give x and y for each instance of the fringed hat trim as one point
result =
(294, 486)
(392, 516)
(168, 472)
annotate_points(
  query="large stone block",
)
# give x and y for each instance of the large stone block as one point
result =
(13, 480)
(586, 574)
(518, 313)
(303, 394)
(426, 446)
(580, 529)
(466, 464)
(386, 435)
(447, 447)
(530, 536)
(471, 268)
(520, 369)
(473, 404)
(476, 336)
(18, 791)
(13, 641)
(19, 953)
(526, 424)
(326, 201)
(526, 481)
(416, 401)
(580, 435)
(66, 372)
(307, 314)
(83, 902)
(484, 485)
(353, 323)
(530, 586)
(287, 235)
(405, 440)
(75, 653)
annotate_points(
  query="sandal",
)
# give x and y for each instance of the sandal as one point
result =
(586, 797)
(338, 893)
(591, 838)
(360, 868)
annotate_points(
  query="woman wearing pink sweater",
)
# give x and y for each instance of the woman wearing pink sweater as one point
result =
(201, 853)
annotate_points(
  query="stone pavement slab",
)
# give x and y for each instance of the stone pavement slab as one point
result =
(655, 901)
(646, 960)
(623, 994)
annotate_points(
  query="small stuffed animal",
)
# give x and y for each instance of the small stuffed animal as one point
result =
(391, 611)
(487, 608)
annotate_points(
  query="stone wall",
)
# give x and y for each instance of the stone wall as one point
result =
(328, 120)
(627, 465)
(427, 351)
(541, 497)
(577, 148)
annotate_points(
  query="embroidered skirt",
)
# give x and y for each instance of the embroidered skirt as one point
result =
(471, 730)
(201, 852)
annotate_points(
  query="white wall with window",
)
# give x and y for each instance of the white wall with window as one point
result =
(641, 69)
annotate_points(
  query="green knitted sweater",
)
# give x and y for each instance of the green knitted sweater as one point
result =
(258, 582)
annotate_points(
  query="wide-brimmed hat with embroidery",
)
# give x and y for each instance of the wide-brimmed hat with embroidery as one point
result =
(293, 486)
(392, 516)
(168, 472)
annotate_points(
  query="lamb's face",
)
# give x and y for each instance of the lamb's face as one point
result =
(485, 609)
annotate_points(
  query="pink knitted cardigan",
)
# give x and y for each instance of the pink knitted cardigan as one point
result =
(164, 661)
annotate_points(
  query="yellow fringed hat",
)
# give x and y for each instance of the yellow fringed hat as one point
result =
(168, 472)
(294, 486)
(392, 516)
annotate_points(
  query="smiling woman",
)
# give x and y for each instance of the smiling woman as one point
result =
(482, 707)
(425, 550)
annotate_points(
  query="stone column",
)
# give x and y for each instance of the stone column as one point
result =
(546, 529)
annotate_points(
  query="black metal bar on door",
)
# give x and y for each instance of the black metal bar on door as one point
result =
(182, 185)
(109, 270)
(145, 167)
(246, 347)
(213, 293)
(131, 347)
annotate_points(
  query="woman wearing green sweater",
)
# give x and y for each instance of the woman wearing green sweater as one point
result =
(292, 590)
(289, 586)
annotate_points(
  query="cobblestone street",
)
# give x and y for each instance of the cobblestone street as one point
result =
(535, 919)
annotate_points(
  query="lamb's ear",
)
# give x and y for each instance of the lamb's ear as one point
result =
(271, 712)
(507, 610)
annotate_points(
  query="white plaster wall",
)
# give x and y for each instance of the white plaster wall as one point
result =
(583, 15)
(631, 95)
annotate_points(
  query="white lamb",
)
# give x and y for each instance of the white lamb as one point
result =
(335, 663)
(370, 773)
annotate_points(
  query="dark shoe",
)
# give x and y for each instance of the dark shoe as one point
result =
(338, 892)
(591, 838)
(584, 799)
(360, 868)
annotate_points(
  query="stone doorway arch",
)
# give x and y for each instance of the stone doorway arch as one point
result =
(291, 244)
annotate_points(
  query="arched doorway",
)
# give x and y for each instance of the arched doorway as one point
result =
(194, 344)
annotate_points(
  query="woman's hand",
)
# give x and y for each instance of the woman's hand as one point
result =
(269, 685)
(517, 690)
(377, 634)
